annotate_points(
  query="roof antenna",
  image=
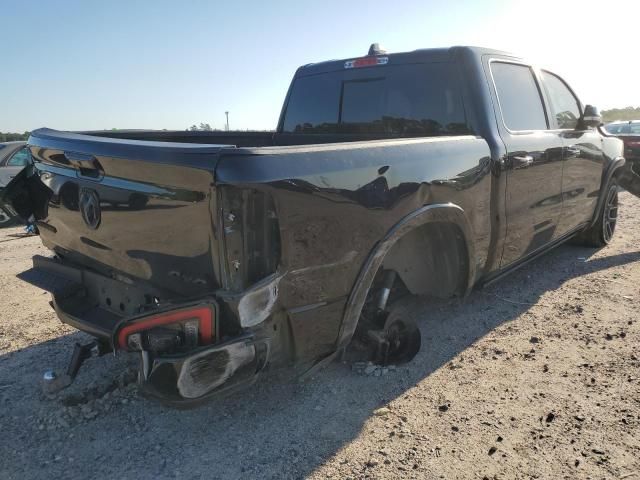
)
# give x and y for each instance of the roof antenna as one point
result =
(376, 49)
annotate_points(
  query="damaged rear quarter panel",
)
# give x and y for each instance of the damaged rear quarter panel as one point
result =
(334, 203)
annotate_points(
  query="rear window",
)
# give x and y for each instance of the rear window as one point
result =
(618, 128)
(519, 97)
(401, 100)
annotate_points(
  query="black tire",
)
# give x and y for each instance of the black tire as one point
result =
(600, 233)
(6, 219)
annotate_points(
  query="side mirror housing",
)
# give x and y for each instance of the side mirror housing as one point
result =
(591, 117)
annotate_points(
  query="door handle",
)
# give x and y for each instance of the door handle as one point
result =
(521, 161)
(572, 151)
(86, 165)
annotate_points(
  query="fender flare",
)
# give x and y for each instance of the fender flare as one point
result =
(614, 165)
(441, 212)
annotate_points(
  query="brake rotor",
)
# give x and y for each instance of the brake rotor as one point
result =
(403, 337)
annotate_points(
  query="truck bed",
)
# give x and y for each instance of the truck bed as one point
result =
(159, 201)
(240, 139)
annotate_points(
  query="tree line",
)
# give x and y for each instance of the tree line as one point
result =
(627, 113)
(12, 137)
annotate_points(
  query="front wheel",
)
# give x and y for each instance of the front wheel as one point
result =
(601, 232)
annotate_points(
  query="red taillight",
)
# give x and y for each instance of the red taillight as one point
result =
(366, 62)
(205, 316)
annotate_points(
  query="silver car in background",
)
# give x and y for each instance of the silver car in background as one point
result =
(14, 156)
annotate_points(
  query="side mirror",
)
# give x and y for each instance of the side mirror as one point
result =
(591, 117)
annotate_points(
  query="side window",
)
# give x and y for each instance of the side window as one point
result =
(519, 97)
(565, 104)
(634, 128)
(21, 158)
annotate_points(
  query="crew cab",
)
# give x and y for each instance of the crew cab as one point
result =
(213, 255)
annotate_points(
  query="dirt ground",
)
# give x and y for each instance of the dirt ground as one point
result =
(537, 376)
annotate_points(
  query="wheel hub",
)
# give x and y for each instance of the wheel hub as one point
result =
(397, 342)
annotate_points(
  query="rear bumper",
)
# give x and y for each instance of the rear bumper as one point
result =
(72, 297)
(178, 379)
(189, 379)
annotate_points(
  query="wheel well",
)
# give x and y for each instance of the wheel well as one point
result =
(440, 229)
(431, 259)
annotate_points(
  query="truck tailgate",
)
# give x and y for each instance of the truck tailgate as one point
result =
(133, 210)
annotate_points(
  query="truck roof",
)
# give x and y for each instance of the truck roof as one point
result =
(416, 56)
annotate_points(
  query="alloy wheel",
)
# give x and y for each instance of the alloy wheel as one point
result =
(610, 214)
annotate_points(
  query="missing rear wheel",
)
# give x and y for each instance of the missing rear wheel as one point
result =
(402, 334)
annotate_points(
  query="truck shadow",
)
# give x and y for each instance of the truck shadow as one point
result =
(279, 428)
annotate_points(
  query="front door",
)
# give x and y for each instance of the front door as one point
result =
(533, 165)
(583, 157)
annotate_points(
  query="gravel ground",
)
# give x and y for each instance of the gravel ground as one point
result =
(537, 376)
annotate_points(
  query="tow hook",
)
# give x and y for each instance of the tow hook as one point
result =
(53, 383)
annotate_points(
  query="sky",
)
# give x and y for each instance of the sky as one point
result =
(84, 64)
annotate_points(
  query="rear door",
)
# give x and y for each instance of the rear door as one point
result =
(533, 164)
(582, 155)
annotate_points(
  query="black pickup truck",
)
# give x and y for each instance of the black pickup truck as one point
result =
(214, 255)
